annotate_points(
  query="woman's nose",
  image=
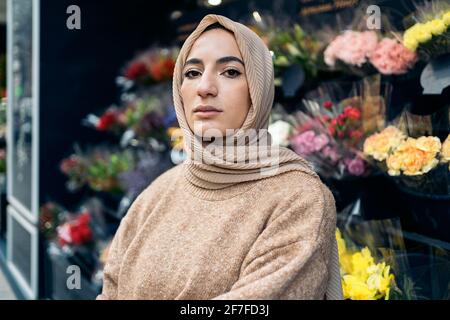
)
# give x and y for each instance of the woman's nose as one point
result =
(207, 86)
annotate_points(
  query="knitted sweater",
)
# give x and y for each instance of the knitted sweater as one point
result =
(264, 239)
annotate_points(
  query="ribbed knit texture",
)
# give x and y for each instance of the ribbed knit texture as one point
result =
(225, 229)
(264, 239)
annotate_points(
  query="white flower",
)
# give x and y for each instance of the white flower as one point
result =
(280, 132)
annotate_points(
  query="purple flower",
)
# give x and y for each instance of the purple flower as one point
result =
(355, 166)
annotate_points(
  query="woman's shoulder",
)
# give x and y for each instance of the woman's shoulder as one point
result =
(302, 194)
(296, 182)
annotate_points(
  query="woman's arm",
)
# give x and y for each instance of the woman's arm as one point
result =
(122, 239)
(289, 260)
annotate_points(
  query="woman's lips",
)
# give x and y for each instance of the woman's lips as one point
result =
(207, 113)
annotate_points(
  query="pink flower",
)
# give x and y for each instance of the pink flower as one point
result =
(391, 57)
(355, 166)
(351, 47)
(331, 153)
(320, 141)
(308, 142)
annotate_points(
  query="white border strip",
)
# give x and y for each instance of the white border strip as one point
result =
(36, 108)
(34, 213)
(30, 290)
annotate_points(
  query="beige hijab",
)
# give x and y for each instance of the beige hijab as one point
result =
(218, 168)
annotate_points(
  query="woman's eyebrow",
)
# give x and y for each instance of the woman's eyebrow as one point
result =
(218, 61)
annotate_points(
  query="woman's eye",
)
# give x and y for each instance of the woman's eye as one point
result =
(232, 73)
(191, 74)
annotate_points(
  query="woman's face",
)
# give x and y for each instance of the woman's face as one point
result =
(214, 79)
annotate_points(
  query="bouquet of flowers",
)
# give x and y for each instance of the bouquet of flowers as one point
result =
(141, 121)
(415, 161)
(362, 277)
(429, 36)
(152, 66)
(363, 48)
(330, 130)
(99, 169)
(75, 231)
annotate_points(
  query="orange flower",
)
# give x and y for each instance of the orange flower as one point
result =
(414, 156)
(380, 145)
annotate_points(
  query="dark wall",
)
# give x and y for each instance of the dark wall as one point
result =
(78, 70)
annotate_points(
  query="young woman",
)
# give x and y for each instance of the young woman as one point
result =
(239, 218)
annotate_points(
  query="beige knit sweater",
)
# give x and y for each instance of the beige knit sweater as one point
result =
(264, 239)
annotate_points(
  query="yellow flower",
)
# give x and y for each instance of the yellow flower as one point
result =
(410, 43)
(446, 18)
(356, 289)
(380, 278)
(436, 27)
(361, 261)
(423, 35)
(414, 156)
(176, 137)
(380, 145)
(344, 256)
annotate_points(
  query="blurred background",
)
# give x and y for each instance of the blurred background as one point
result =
(87, 122)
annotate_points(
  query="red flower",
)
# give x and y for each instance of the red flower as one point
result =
(356, 134)
(334, 122)
(70, 163)
(341, 119)
(169, 66)
(332, 130)
(352, 113)
(136, 70)
(341, 134)
(328, 104)
(107, 120)
(75, 232)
